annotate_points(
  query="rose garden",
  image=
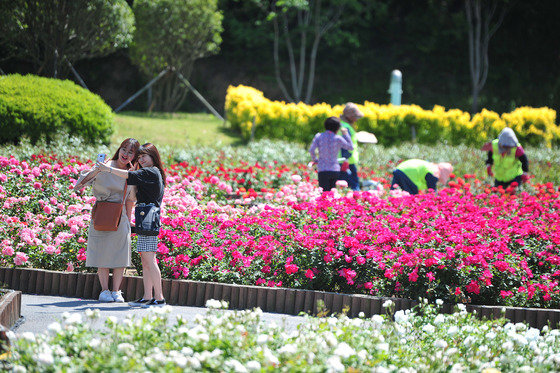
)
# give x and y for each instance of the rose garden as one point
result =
(465, 278)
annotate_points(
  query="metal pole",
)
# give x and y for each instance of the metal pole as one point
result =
(197, 94)
(142, 90)
(55, 63)
(149, 98)
(76, 74)
(253, 128)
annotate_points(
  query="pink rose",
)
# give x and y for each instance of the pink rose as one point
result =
(20, 258)
(8, 251)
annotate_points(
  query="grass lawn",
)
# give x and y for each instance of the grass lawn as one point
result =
(174, 129)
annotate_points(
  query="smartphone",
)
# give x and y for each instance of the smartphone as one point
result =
(101, 158)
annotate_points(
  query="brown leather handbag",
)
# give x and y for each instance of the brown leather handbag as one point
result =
(106, 216)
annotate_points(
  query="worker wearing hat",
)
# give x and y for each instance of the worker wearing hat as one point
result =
(414, 175)
(348, 119)
(506, 161)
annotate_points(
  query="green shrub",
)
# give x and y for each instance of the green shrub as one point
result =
(38, 107)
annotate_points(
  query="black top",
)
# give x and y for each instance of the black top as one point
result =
(149, 184)
(523, 159)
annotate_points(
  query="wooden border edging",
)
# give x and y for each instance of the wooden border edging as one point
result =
(10, 308)
(279, 300)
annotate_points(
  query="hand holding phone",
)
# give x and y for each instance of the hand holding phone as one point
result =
(100, 158)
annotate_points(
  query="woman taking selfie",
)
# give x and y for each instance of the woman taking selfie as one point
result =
(149, 180)
(111, 249)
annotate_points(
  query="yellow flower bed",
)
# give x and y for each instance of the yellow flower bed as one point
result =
(246, 106)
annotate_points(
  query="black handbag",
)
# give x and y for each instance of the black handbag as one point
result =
(147, 216)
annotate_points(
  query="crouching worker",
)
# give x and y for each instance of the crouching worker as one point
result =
(414, 175)
(507, 161)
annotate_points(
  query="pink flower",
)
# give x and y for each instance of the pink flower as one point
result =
(309, 274)
(20, 258)
(506, 294)
(413, 276)
(473, 287)
(348, 274)
(8, 251)
(342, 184)
(501, 265)
(291, 268)
(50, 249)
(70, 267)
(37, 185)
(296, 178)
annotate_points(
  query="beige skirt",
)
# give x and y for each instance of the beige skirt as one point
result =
(109, 249)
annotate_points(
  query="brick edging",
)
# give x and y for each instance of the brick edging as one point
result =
(279, 300)
(10, 308)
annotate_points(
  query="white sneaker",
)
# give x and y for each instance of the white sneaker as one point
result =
(117, 296)
(106, 296)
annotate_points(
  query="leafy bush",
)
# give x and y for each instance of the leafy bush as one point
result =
(391, 124)
(35, 107)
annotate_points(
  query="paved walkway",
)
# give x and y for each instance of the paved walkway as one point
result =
(38, 311)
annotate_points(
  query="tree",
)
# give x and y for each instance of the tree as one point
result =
(174, 34)
(301, 25)
(51, 33)
(484, 17)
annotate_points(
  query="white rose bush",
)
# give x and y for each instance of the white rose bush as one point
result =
(416, 340)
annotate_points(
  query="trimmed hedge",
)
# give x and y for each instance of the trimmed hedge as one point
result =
(38, 107)
(391, 124)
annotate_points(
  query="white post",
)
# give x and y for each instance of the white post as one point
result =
(395, 88)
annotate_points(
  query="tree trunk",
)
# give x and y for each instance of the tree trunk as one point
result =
(276, 55)
(481, 26)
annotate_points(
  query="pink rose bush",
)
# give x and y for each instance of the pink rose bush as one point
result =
(269, 225)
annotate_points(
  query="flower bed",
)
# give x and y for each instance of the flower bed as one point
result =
(241, 341)
(466, 243)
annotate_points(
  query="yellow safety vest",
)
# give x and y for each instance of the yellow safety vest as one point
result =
(507, 167)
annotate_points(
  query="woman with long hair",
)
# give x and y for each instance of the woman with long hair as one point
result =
(150, 180)
(108, 250)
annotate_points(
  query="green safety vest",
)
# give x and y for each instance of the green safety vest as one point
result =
(355, 158)
(507, 167)
(416, 170)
